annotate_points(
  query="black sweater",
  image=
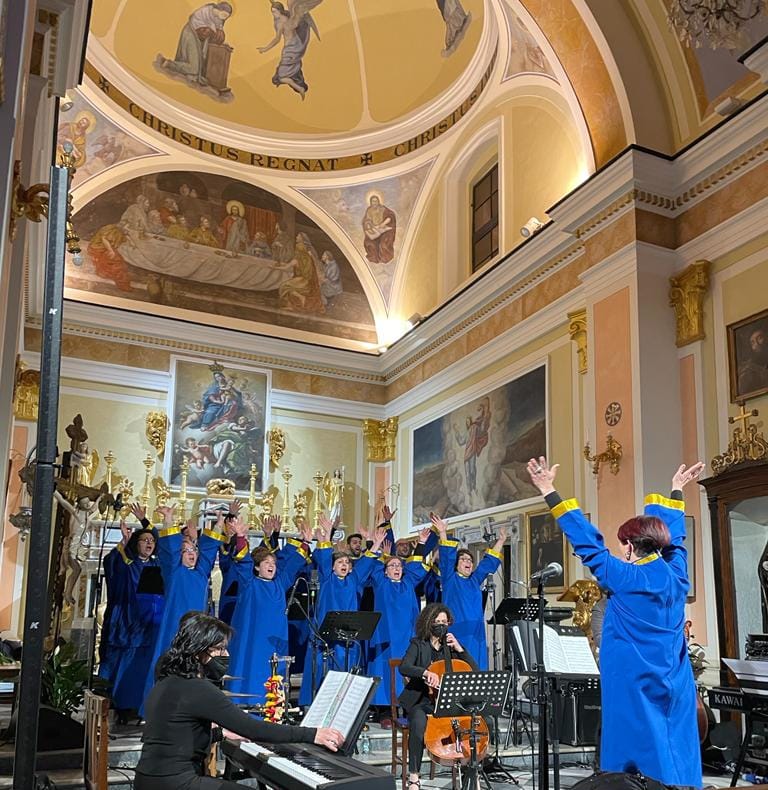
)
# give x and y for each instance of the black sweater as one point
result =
(177, 736)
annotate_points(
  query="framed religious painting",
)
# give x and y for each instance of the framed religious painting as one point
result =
(690, 545)
(218, 419)
(546, 543)
(748, 357)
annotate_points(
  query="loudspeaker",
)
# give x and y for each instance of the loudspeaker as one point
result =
(54, 731)
(579, 711)
(618, 781)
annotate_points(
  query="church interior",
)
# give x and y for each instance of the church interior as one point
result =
(326, 257)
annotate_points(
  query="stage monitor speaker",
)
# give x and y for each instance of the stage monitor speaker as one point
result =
(55, 731)
(618, 781)
(579, 714)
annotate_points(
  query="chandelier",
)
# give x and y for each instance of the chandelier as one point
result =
(720, 22)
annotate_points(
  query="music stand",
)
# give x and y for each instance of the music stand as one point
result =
(348, 627)
(472, 694)
(517, 611)
(151, 581)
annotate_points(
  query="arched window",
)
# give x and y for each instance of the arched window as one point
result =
(485, 218)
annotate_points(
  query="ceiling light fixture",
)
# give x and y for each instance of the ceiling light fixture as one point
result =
(720, 22)
(532, 226)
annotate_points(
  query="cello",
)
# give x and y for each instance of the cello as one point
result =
(442, 733)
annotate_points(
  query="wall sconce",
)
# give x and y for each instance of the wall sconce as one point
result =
(32, 202)
(611, 456)
(532, 226)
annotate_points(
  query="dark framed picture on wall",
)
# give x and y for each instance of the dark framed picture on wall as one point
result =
(748, 357)
(546, 543)
(690, 545)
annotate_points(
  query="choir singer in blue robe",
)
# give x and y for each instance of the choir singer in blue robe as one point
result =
(260, 619)
(394, 594)
(134, 618)
(647, 686)
(340, 582)
(461, 585)
(186, 569)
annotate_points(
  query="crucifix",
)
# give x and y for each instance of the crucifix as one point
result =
(743, 416)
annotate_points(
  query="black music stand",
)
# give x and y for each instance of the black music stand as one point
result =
(514, 611)
(473, 694)
(151, 581)
(348, 627)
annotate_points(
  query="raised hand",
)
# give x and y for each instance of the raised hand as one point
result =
(387, 514)
(378, 538)
(167, 512)
(324, 528)
(684, 476)
(386, 547)
(501, 539)
(126, 532)
(138, 511)
(542, 475)
(234, 508)
(366, 533)
(189, 530)
(238, 527)
(272, 524)
(305, 530)
(440, 525)
(424, 534)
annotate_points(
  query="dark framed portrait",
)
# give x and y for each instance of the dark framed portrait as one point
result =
(748, 357)
(546, 543)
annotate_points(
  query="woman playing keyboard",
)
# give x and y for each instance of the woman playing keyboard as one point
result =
(185, 705)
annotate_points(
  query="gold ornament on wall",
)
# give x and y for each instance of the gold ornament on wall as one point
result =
(746, 443)
(585, 594)
(26, 392)
(686, 295)
(577, 329)
(276, 441)
(157, 430)
(221, 488)
(611, 456)
(381, 436)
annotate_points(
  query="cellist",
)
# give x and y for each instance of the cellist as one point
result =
(425, 648)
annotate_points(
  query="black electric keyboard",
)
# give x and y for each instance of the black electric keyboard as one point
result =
(290, 766)
(726, 698)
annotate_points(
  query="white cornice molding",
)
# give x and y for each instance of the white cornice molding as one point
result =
(517, 336)
(321, 404)
(106, 373)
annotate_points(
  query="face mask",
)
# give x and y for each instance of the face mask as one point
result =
(216, 668)
(438, 630)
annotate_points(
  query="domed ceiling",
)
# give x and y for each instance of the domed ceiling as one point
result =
(297, 68)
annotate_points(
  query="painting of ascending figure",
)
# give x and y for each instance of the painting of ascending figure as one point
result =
(456, 23)
(293, 25)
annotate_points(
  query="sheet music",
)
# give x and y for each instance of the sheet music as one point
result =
(555, 659)
(520, 647)
(578, 655)
(338, 701)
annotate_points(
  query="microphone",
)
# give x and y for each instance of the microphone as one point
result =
(551, 571)
(292, 596)
(314, 581)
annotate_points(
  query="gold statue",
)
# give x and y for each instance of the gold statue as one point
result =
(220, 487)
(26, 392)
(276, 439)
(157, 430)
(333, 488)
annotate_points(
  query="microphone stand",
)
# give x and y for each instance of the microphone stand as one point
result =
(543, 696)
(494, 764)
(96, 600)
(315, 639)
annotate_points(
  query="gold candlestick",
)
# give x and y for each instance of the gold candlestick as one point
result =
(287, 495)
(110, 459)
(149, 465)
(182, 514)
(252, 498)
(317, 507)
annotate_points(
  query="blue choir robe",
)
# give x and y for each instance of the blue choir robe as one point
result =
(335, 595)
(259, 620)
(134, 624)
(229, 582)
(186, 589)
(647, 685)
(396, 600)
(429, 587)
(464, 597)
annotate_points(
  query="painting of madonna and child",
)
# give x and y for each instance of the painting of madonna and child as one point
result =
(217, 423)
(474, 457)
(204, 248)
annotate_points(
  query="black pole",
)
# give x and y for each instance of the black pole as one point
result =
(36, 613)
(541, 680)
